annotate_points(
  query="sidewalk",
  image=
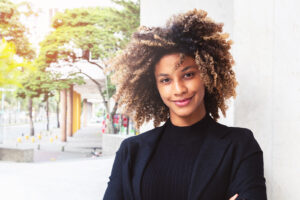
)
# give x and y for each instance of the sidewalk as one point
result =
(50, 148)
(58, 175)
(60, 180)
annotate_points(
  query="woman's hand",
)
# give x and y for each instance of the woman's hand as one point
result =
(234, 197)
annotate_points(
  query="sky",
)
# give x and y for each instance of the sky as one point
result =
(39, 26)
(66, 4)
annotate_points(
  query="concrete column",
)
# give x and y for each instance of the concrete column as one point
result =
(266, 50)
(63, 118)
(70, 111)
(76, 111)
(85, 113)
(267, 46)
(90, 111)
(79, 111)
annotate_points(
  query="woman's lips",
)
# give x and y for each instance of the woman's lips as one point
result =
(183, 102)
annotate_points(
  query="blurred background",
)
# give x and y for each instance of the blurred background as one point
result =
(59, 125)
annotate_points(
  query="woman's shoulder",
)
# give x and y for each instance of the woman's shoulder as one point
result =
(240, 137)
(142, 138)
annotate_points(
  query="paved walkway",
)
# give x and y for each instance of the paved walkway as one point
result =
(49, 147)
(55, 180)
(56, 174)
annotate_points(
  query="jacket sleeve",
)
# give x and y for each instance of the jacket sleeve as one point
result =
(247, 176)
(114, 190)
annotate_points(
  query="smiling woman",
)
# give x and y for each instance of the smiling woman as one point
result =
(181, 75)
(181, 89)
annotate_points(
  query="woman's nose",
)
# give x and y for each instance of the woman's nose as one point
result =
(179, 87)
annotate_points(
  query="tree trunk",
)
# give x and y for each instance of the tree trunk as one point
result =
(111, 128)
(57, 114)
(113, 112)
(127, 128)
(47, 112)
(110, 125)
(57, 110)
(30, 117)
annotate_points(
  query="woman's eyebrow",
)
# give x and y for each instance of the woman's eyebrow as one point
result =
(183, 70)
(188, 67)
(162, 74)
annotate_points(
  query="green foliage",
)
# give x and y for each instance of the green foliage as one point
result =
(14, 44)
(10, 70)
(13, 30)
(81, 32)
(99, 31)
(33, 84)
(126, 20)
(111, 89)
(45, 84)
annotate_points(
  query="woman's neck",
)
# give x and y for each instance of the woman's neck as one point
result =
(187, 121)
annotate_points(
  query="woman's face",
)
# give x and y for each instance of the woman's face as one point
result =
(181, 89)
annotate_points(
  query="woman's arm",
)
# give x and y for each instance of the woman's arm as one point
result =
(114, 190)
(247, 178)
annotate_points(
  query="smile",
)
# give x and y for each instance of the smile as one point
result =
(183, 102)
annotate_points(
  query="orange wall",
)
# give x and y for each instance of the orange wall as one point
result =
(76, 111)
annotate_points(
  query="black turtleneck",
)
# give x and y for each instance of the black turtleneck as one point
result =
(168, 173)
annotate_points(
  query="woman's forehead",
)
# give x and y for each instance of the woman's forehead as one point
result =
(175, 62)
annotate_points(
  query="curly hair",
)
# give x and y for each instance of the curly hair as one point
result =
(192, 34)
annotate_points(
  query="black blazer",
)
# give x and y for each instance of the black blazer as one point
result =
(230, 161)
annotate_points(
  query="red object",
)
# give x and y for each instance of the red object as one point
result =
(116, 119)
(103, 126)
(125, 121)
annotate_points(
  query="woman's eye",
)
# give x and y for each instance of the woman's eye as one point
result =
(166, 80)
(189, 75)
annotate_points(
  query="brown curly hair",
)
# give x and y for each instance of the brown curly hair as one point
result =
(192, 34)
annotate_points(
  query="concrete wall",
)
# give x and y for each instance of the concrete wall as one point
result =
(156, 12)
(16, 155)
(111, 143)
(266, 38)
(266, 35)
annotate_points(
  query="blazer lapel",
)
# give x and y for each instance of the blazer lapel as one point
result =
(142, 158)
(208, 159)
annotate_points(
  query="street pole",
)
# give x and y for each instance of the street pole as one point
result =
(2, 100)
(1, 116)
(2, 132)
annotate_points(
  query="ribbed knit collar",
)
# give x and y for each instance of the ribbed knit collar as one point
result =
(185, 134)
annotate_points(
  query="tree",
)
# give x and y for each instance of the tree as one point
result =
(10, 69)
(93, 35)
(39, 83)
(126, 20)
(43, 84)
(12, 30)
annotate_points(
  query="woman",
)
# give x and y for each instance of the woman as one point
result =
(181, 74)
